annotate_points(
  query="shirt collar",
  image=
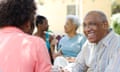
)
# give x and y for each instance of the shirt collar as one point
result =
(11, 29)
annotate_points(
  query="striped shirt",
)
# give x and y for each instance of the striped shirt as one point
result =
(102, 57)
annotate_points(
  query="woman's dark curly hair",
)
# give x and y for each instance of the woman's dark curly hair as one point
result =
(16, 12)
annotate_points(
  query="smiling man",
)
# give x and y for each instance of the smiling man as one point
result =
(100, 50)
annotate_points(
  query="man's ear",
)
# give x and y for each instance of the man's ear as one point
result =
(105, 25)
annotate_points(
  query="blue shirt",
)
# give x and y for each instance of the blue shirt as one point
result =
(70, 47)
(47, 36)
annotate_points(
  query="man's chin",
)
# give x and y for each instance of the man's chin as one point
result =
(92, 40)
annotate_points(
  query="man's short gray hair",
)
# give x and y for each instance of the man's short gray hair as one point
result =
(74, 19)
(102, 16)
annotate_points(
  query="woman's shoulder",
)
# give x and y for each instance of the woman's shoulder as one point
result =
(64, 38)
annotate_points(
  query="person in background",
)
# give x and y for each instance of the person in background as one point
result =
(58, 37)
(99, 53)
(70, 45)
(42, 32)
(19, 51)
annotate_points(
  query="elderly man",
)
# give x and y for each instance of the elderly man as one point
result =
(99, 52)
(19, 51)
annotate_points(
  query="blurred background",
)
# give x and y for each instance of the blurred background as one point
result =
(57, 10)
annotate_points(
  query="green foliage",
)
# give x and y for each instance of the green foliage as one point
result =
(116, 22)
(115, 8)
(116, 27)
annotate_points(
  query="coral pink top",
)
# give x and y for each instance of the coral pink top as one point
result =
(20, 52)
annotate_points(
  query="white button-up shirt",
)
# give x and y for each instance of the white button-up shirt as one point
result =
(100, 57)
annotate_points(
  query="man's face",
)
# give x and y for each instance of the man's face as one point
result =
(68, 26)
(94, 28)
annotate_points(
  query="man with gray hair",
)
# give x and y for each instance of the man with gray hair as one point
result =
(100, 51)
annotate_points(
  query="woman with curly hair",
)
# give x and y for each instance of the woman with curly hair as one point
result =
(19, 51)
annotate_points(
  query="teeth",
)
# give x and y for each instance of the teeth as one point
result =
(91, 34)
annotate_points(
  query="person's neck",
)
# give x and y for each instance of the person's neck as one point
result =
(40, 32)
(104, 35)
(72, 34)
